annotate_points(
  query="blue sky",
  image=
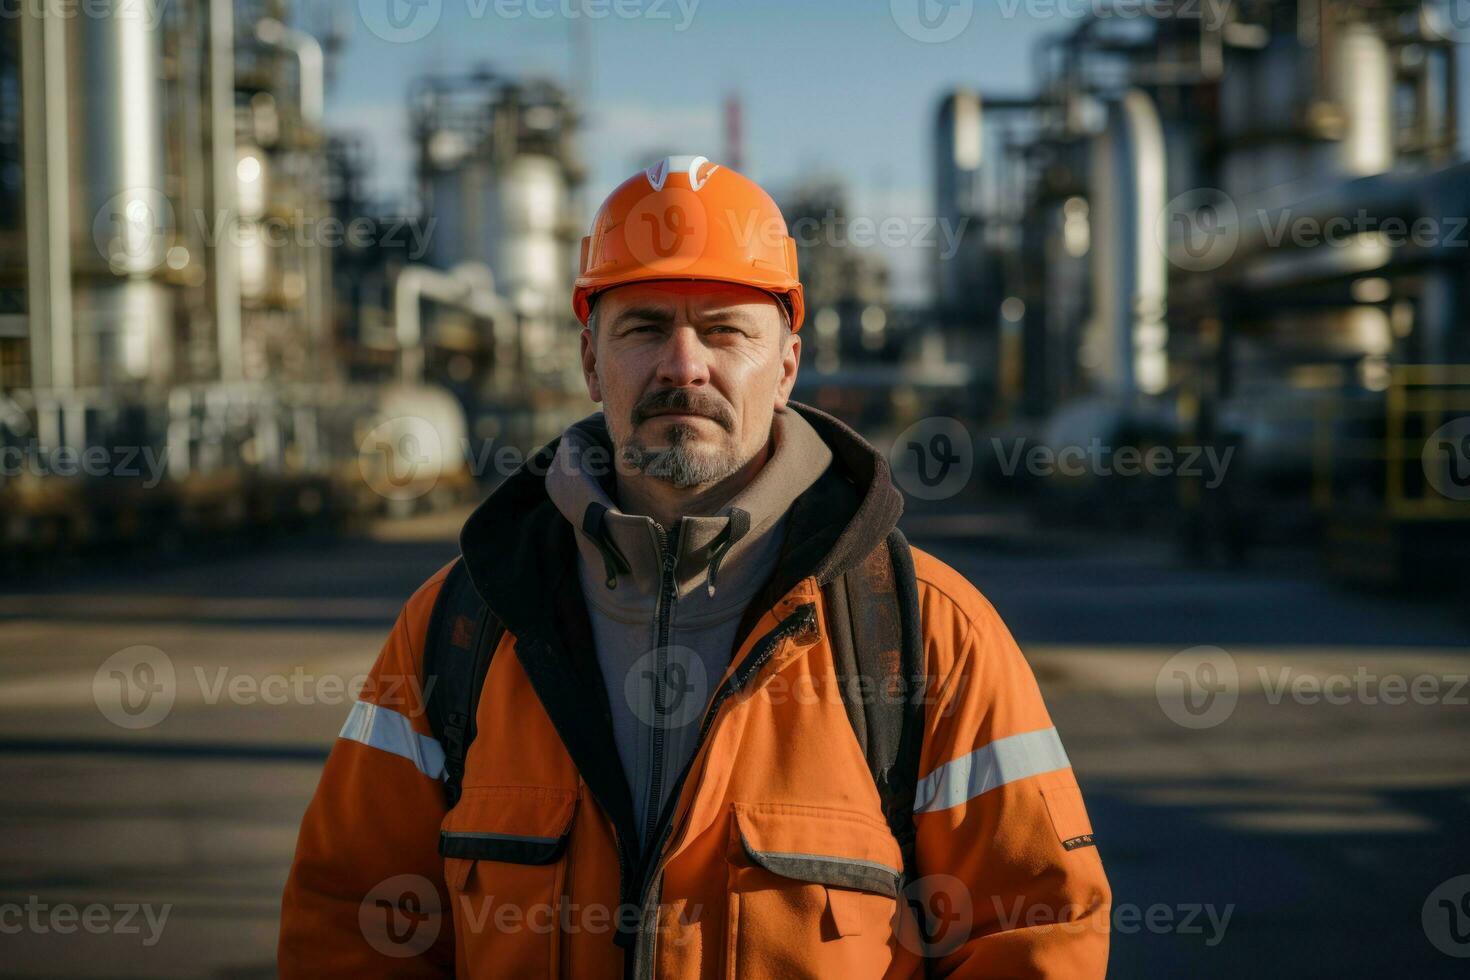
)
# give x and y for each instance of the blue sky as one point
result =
(830, 87)
(836, 87)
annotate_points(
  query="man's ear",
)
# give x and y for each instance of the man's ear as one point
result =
(790, 362)
(589, 365)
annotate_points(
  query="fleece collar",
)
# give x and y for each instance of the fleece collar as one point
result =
(720, 559)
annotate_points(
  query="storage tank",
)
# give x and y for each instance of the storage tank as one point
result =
(1291, 113)
(497, 182)
(525, 211)
(122, 221)
(498, 179)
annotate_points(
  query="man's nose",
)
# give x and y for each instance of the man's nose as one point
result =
(683, 360)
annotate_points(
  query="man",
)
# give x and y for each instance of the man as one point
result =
(660, 780)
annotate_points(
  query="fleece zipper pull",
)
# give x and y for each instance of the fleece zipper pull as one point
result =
(594, 525)
(736, 527)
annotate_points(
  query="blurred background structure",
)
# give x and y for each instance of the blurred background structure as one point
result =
(1241, 233)
(262, 344)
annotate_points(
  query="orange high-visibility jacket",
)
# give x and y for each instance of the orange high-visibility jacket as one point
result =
(774, 857)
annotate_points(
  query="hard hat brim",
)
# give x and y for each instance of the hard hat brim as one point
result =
(585, 291)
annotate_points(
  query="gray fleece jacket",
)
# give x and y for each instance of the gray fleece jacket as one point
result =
(665, 603)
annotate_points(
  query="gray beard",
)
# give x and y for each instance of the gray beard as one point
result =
(678, 464)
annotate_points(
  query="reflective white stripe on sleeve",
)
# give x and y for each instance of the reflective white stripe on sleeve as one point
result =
(386, 729)
(1003, 761)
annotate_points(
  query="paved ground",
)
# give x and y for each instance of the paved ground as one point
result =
(1269, 832)
(1321, 828)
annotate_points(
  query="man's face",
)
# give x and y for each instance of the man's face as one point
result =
(689, 375)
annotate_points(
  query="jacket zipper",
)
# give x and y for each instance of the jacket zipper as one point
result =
(798, 621)
(663, 617)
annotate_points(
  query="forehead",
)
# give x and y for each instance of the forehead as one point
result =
(695, 297)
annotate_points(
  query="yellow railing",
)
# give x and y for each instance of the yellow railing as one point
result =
(1433, 395)
(1418, 400)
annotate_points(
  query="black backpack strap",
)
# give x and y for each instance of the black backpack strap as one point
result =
(462, 637)
(878, 644)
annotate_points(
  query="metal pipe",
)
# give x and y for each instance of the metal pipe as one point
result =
(311, 66)
(469, 286)
(311, 88)
(1127, 337)
(48, 241)
(222, 178)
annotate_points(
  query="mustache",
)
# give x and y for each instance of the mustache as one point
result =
(693, 402)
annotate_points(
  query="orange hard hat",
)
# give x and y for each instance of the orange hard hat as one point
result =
(687, 218)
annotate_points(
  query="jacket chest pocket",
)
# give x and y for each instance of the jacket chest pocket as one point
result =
(813, 893)
(504, 850)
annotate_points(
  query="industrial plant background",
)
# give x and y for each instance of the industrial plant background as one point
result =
(1160, 310)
